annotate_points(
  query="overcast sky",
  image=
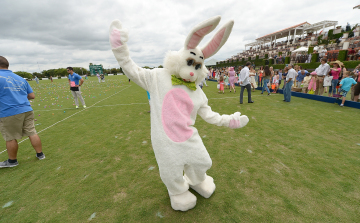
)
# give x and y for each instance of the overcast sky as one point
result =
(42, 34)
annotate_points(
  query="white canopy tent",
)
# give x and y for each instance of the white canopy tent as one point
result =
(301, 49)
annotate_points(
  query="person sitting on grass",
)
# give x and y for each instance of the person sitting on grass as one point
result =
(345, 86)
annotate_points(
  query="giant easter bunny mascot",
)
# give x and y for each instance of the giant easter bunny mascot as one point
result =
(176, 99)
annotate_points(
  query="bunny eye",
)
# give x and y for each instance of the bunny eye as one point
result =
(190, 62)
(198, 66)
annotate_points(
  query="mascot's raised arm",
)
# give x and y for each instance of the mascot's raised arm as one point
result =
(176, 99)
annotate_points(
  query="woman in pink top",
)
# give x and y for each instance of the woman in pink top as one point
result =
(232, 79)
(335, 72)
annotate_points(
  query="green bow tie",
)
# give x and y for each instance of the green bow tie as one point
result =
(178, 81)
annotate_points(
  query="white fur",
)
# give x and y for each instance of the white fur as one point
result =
(176, 157)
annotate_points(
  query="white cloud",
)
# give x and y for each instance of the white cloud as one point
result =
(65, 33)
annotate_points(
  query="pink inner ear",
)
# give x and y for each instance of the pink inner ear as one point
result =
(196, 37)
(214, 44)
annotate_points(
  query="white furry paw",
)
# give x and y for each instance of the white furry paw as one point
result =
(118, 36)
(238, 121)
(183, 202)
(205, 188)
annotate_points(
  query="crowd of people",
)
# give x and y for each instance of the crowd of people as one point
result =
(332, 79)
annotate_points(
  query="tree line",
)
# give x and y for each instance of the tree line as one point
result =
(62, 72)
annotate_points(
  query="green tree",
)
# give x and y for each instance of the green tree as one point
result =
(24, 74)
(160, 66)
(113, 71)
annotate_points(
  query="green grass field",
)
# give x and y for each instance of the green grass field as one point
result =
(293, 162)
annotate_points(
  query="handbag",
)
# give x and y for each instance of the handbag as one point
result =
(218, 86)
(311, 91)
(273, 86)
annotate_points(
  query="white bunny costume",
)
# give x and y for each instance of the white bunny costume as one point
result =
(177, 145)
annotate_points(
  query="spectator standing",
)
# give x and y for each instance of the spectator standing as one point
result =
(98, 76)
(51, 79)
(300, 77)
(37, 79)
(345, 86)
(356, 89)
(289, 82)
(232, 78)
(16, 114)
(252, 78)
(266, 79)
(286, 70)
(335, 73)
(321, 71)
(351, 54)
(261, 74)
(74, 80)
(244, 81)
(280, 77)
(306, 82)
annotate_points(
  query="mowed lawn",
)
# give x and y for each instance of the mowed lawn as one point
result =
(293, 162)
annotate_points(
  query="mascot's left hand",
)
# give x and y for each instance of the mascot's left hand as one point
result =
(238, 120)
(118, 35)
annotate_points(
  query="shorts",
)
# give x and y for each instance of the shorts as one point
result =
(17, 126)
(357, 89)
(343, 92)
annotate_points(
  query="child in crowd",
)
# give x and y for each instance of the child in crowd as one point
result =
(226, 80)
(276, 82)
(306, 83)
(221, 82)
(345, 85)
(327, 83)
(312, 84)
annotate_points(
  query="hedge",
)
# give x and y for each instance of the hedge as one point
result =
(311, 49)
(280, 53)
(287, 60)
(330, 34)
(314, 57)
(271, 62)
(266, 56)
(342, 55)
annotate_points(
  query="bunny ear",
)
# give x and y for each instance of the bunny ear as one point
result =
(198, 33)
(218, 40)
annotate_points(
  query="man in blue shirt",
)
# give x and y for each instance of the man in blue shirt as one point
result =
(74, 79)
(16, 114)
(300, 77)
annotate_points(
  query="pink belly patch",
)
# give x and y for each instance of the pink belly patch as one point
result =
(175, 115)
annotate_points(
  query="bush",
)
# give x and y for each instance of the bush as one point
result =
(351, 64)
(280, 53)
(287, 60)
(314, 57)
(342, 55)
(330, 34)
(271, 62)
(266, 56)
(311, 49)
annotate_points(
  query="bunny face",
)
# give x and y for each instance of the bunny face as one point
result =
(188, 63)
(192, 66)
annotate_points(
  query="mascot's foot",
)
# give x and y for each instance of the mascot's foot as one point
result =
(205, 188)
(183, 202)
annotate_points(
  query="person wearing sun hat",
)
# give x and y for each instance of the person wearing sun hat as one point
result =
(335, 73)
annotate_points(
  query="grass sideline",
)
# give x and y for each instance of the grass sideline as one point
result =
(297, 161)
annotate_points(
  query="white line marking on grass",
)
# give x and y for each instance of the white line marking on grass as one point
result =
(93, 107)
(8, 204)
(239, 97)
(72, 115)
(92, 216)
